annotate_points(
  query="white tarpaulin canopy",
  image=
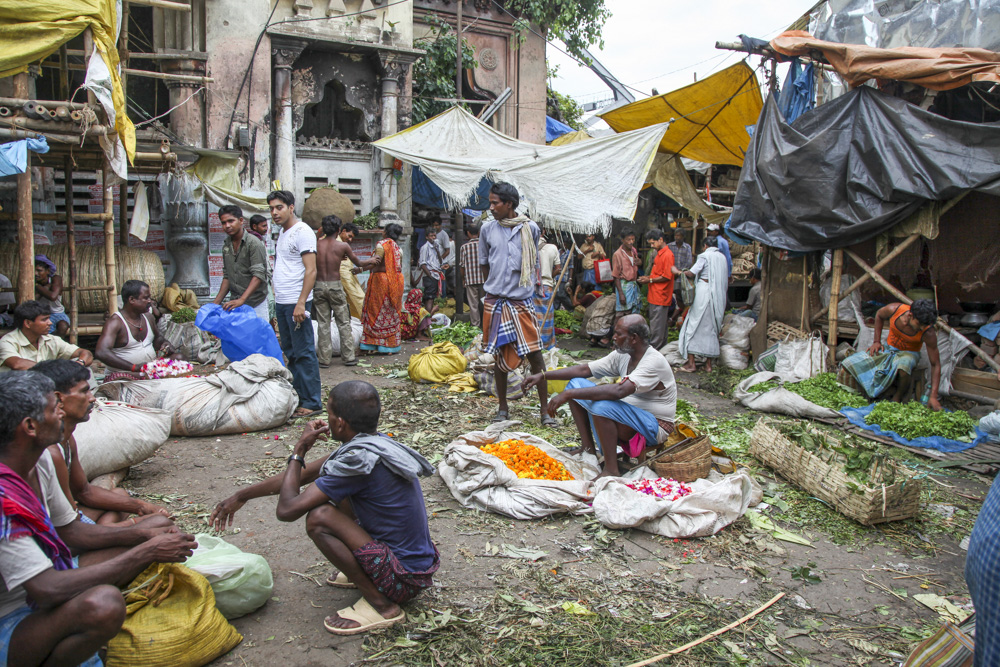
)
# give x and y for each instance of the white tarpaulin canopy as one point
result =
(579, 187)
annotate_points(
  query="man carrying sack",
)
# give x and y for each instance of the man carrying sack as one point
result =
(508, 249)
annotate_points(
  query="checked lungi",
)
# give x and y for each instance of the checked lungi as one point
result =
(876, 374)
(547, 326)
(982, 574)
(510, 329)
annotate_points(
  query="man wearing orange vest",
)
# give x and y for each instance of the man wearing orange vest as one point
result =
(892, 364)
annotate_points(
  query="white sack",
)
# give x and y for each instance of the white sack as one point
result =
(254, 394)
(990, 425)
(780, 400)
(673, 354)
(733, 357)
(186, 338)
(356, 331)
(440, 320)
(736, 331)
(482, 481)
(801, 359)
(845, 309)
(118, 436)
(710, 507)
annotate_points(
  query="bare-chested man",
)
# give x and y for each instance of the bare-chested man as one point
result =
(130, 338)
(329, 296)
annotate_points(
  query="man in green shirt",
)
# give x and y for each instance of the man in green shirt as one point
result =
(31, 342)
(245, 270)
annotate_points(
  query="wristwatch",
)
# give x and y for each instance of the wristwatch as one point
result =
(296, 457)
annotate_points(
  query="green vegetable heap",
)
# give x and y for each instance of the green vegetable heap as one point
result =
(565, 319)
(863, 464)
(183, 315)
(459, 333)
(915, 420)
(822, 390)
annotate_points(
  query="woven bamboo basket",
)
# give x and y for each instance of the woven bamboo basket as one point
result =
(779, 331)
(130, 264)
(687, 463)
(868, 505)
(684, 471)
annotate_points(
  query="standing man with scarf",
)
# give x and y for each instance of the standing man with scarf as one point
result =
(508, 251)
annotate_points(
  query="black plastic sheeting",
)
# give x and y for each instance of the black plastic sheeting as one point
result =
(855, 167)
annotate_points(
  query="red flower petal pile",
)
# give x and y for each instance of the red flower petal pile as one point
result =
(661, 487)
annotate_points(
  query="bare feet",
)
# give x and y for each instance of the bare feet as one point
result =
(688, 368)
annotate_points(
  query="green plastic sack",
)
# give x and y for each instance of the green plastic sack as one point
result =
(241, 582)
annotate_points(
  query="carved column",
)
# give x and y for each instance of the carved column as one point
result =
(284, 52)
(186, 118)
(393, 69)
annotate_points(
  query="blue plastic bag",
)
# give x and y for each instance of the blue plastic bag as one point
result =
(242, 333)
(857, 417)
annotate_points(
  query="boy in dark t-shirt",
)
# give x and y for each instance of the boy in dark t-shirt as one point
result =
(365, 511)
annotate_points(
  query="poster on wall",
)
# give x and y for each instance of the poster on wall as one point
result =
(214, 274)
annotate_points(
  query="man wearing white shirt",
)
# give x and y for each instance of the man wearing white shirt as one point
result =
(294, 277)
(446, 251)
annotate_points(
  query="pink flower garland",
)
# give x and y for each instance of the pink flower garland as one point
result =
(166, 368)
(661, 487)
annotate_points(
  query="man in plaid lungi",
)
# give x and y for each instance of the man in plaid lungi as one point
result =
(508, 254)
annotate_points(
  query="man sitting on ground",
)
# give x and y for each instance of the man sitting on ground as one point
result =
(881, 368)
(130, 339)
(364, 505)
(95, 504)
(31, 342)
(74, 609)
(634, 413)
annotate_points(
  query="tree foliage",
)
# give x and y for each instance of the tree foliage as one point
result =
(434, 72)
(562, 107)
(578, 23)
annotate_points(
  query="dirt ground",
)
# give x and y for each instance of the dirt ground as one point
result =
(848, 597)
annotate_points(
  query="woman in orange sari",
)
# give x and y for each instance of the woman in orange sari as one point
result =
(384, 297)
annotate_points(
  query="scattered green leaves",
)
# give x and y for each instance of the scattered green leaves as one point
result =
(459, 333)
(183, 315)
(822, 390)
(915, 420)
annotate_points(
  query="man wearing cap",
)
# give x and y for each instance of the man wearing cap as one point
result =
(713, 230)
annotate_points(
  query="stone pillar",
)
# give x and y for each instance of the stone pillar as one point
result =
(284, 52)
(393, 69)
(187, 120)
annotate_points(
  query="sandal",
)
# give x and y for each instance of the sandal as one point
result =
(340, 580)
(550, 422)
(364, 614)
(501, 416)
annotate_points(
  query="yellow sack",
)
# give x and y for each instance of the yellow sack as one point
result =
(462, 382)
(184, 629)
(174, 298)
(436, 362)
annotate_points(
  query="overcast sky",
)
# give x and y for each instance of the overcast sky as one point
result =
(646, 42)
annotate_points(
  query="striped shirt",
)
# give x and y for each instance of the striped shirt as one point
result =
(469, 261)
(683, 258)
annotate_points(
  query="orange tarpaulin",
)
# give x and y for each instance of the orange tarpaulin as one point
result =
(710, 116)
(937, 69)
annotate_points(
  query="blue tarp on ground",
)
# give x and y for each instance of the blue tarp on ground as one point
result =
(554, 129)
(857, 417)
(426, 193)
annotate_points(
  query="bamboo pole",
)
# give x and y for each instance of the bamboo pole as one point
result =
(25, 223)
(163, 4)
(805, 294)
(109, 238)
(831, 341)
(74, 307)
(61, 217)
(907, 300)
(555, 288)
(123, 214)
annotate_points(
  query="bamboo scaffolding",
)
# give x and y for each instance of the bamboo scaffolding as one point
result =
(831, 341)
(109, 238)
(74, 301)
(25, 223)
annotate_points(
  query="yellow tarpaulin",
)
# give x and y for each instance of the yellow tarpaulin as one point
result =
(32, 31)
(710, 116)
(571, 138)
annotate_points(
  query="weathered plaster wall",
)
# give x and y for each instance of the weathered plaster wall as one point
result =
(232, 30)
(390, 25)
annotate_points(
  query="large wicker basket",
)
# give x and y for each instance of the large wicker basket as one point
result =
(689, 462)
(867, 505)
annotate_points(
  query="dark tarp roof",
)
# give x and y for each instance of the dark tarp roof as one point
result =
(855, 167)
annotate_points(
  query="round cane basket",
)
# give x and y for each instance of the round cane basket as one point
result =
(695, 450)
(684, 471)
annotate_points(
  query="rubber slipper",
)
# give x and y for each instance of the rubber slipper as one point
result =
(366, 616)
(501, 416)
(340, 581)
(550, 422)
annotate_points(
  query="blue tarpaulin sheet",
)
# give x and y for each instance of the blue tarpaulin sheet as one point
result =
(426, 193)
(554, 129)
(796, 95)
(857, 417)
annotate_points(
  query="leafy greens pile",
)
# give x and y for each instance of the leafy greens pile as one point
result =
(183, 315)
(459, 333)
(822, 390)
(863, 464)
(915, 420)
(565, 319)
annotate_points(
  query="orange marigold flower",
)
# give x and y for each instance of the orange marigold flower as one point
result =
(528, 461)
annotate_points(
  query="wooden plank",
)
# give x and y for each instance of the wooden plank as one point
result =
(981, 378)
(966, 387)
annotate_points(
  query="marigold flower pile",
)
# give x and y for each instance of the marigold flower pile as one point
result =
(528, 461)
(166, 368)
(661, 487)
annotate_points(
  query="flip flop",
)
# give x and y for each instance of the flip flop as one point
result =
(550, 422)
(364, 614)
(340, 581)
(501, 416)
